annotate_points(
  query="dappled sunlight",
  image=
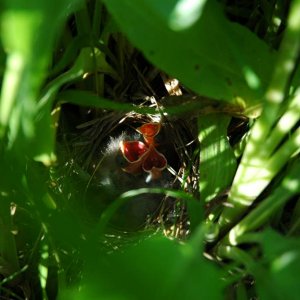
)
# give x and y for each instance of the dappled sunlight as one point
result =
(211, 229)
(287, 188)
(117, 184)
(260, 162)
(232, 238)
(252, 78)
(250, 185)
(217, 160)
(209, 129)
(284, 261)
(211, 150)
(275, 96)
(10, 85)
(291, 184)
(186, 13)
(288, 65)
(258, 131)
(288, 120)
(243, 197)
(294, 20)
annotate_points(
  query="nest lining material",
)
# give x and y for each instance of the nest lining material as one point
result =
(100, 138)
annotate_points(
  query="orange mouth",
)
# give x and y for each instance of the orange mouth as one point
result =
(144, 157)
(149, 131)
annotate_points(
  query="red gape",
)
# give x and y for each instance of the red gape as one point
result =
(149, 131)
(144, 157)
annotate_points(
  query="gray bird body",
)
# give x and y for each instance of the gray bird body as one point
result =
(111, 176)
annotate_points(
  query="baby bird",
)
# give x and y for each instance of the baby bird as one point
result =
(128, 163)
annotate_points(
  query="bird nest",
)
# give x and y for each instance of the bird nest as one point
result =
(89, 147)
(98, 150)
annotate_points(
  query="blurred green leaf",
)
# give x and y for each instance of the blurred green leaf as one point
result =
(156, 268)
(70, 54)
(88, 61)
(212, 56)
(281, 257)
(28, 39)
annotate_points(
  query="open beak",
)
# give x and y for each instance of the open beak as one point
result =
(149, 131)
(142, 158)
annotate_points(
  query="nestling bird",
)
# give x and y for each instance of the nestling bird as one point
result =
(130, 162)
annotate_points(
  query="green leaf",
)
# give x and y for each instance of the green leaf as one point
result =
(217, 160)
(84, 98)
(263, 212)
(156, 268)
(28, 39)
(212, 56)
(193, 204)
(274, 138)
(282, 260)
(173, 105)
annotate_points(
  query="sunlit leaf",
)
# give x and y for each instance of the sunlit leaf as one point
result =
(212, 56)
(28, 40)
(217, 161)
